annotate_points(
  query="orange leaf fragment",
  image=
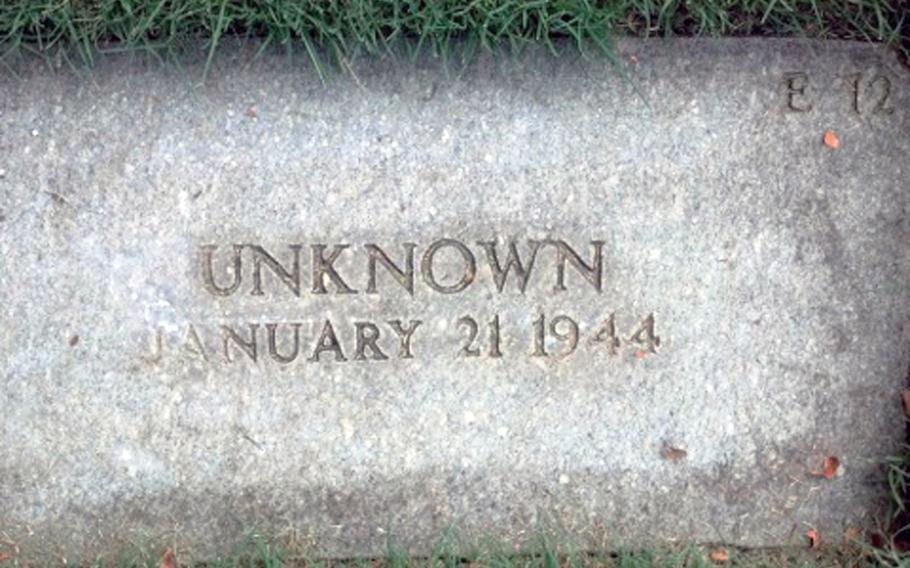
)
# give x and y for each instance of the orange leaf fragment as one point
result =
(831, 140)
(672, 453)
(641, 354)
(4, 555)
(168, 560)
(813, 537)
(832, 464)
(719, 555)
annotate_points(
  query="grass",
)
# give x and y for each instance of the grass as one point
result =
(339, 31)
(257, 551)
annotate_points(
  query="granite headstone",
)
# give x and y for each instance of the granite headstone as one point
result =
(647, 301)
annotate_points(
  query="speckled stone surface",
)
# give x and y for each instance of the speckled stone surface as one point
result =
(691, 203)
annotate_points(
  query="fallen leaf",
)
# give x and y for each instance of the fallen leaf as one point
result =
(251, 112)
(832, 464)
(5, 555)
(641, 354)
(74, 340)
(672, 453)
(168, 560)
(719, 555)
(905, 399)
(813, 537)
(831, 139)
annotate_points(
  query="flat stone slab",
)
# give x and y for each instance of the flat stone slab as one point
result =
(642, 304)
